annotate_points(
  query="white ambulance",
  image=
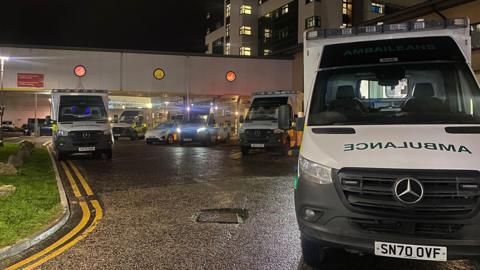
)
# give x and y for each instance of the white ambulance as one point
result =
(390, 159)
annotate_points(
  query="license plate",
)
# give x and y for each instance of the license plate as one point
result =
(415, 252)
(257, 145)
(187, 139)
(86, 149)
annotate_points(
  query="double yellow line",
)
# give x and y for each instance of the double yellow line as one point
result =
(80, 231)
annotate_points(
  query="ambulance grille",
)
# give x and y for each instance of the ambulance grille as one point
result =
(446, 193)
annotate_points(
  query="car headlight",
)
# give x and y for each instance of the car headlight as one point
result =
(179, 130)
(107, 132)
(314, 172)
(62, 133)
(277, 131)
(202, 129)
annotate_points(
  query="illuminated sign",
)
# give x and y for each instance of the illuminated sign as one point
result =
(159, 74)
(79, 71)
(231, 76)
(30, 80)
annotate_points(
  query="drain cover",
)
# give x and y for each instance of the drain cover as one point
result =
(222, 216)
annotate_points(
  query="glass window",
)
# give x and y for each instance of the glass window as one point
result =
(268, 33)
(265, 108)
(313, 21)
(245, 30)
(227, 30)
(81, 108)
(227, 10)
(245, 9)
(227, 49)
(282, 33)
(347, 12)
(285, 9)
(378, 8)
(245, 51)
(165, 126)
(420, 93)
(267, 52)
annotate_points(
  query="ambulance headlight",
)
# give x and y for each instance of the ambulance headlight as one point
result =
(314, 172)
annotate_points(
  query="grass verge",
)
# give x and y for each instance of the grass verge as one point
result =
(35, 202)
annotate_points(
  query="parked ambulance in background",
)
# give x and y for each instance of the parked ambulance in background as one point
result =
(131, 124)
(390, 157)
(81, 123)
(259, 130)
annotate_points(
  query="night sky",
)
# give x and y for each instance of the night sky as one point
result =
(162, 25)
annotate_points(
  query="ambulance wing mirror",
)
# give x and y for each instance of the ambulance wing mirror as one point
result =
(285, 117)
(241, 119)
(115, 118)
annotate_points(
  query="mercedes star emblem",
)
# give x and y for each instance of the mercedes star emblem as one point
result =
(86, 135)
(408, 190)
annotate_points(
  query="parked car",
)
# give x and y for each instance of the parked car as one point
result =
(162, 133)
(29, 128)
(8, 126)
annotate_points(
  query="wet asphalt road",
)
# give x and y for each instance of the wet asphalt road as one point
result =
(151, 194)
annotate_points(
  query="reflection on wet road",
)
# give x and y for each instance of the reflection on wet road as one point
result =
(152, 195)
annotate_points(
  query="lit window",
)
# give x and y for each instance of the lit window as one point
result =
(245, 51)
(227, 11)
(267, 52)
(378, 8)
(246, 9)
(227, 30)
(313, 21)
(285, 9)
(268, 15)
(347, 12)
(268, 33)
(227, 49)
(246, 30)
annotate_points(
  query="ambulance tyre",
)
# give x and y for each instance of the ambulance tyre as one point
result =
(245, 150)
(313, 253)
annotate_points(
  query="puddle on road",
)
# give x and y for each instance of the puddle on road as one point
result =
(222, 216)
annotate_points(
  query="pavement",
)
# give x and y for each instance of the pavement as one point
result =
(151, 195)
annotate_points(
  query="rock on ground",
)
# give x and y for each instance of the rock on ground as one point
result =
(7, 169)
(6, 190)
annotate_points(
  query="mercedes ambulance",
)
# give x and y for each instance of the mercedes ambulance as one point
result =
(81, 123)
(259, 130)
(390, 159)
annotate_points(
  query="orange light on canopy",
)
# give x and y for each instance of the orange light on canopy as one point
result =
(231, 76)
(79, 71)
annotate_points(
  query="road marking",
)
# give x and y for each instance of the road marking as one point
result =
(46, 143)
(78, 228)
(96, 219)
(84, 182)
(74, 186)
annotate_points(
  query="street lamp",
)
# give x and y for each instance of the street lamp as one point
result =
(3, 59)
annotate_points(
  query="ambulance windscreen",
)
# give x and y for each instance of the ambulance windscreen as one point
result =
(414, 93)
(82, 108)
